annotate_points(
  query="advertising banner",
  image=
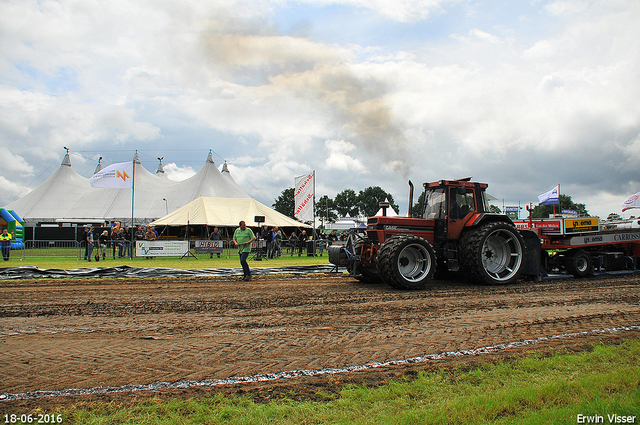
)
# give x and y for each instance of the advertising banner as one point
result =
(115, 176)
(161, 248)
(581, 225)
(303, 196)
(208, 246)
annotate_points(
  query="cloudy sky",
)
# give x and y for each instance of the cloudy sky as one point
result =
(522, 95)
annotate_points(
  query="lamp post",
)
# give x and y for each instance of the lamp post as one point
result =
(326, 203)
(166, 206)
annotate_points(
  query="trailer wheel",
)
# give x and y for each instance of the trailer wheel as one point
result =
(492, 254)
(406, 261)
(579, 264)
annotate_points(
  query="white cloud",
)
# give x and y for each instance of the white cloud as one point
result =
(339, 159)
(178, 173)
(520, 111)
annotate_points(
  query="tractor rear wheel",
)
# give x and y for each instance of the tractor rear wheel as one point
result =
(406, 261)
(492, 254)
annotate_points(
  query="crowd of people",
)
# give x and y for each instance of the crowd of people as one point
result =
(118, 240)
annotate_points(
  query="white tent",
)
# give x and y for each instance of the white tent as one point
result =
(67, 196)
(226, 212)
(390, 211)
(52, 198)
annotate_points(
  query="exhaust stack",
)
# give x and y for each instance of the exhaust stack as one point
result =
(410, 209)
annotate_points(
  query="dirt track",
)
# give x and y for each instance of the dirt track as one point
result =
(57, 335)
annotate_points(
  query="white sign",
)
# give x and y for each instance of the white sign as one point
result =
(303, 196)
(161, 248)
(203, 246)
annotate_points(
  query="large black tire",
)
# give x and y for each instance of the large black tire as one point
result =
(492, 254)
(579, 264)
(406, 262)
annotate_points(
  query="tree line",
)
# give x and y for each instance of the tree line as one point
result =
(346, 203)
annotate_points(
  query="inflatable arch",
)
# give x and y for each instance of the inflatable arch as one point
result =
(14, 223)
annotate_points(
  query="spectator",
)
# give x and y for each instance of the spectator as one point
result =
(293, 242)
(89, 240)
(5, 241)
(303, 242)
(278, 242)
(215, 236)
(103, 240)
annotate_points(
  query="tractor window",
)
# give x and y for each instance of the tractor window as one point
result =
(462, 202)
(434, 203)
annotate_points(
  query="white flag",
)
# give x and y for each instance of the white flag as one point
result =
(550, 197)
(303, 196)
(632, 201)
(118, 176)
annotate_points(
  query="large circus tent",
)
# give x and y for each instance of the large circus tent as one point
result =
(67, 197)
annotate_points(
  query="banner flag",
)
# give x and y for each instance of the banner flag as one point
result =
(117, 176)
(632, 201)
(551, 197)
(303, 196)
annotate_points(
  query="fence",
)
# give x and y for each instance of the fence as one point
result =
(74, 249)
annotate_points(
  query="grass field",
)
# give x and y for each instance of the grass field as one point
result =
(562, 389)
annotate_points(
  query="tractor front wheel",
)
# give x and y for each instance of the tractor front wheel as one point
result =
(406, 261)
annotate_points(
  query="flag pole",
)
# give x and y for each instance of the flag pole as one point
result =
(314, 211)
(133, 191)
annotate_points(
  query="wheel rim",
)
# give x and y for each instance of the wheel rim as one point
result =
(501, 255)
(582, 264)
(414, 262)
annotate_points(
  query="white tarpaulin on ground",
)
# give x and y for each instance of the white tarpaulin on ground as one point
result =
(226, 212)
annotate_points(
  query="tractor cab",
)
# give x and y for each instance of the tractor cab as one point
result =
(453, 204)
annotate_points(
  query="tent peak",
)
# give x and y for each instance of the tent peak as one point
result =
(160, 169)
(210, 158)
(99, 166)
(136, 158)
(225, 169)
(66, 160)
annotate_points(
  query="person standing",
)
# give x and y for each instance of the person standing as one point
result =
(215, 236)
(103, 240)
(302, 242)
(242, 238)
(5, 241)
(89, 241)
(278, 243)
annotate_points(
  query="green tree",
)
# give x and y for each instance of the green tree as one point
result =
(324, 206)
(494, 209)
(369, 200)
(543, 211)
(418, 207)
(346, 202)
(285, 203)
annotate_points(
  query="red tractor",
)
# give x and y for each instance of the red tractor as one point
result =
(457, 232)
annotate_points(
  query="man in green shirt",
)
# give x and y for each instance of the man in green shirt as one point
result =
(242, 238)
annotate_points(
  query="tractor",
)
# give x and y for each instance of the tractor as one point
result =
(456, 233)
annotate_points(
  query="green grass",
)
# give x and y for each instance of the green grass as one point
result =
(530, 390)
(202, 261)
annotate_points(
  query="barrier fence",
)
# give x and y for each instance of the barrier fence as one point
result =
(74, 249)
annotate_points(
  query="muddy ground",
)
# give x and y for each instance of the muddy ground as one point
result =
(61, 334)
